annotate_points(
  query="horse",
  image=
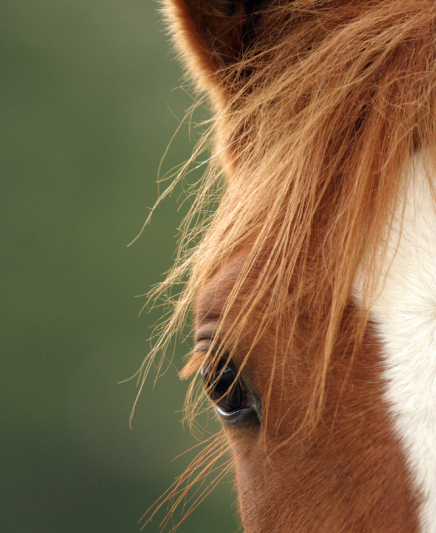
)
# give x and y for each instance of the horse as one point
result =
(314, 282)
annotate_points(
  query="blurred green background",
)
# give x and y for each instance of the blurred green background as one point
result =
(88, 108)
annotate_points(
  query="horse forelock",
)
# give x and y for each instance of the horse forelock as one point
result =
(314, 140)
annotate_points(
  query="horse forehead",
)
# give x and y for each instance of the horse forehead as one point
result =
(405, 314)
(213, 295)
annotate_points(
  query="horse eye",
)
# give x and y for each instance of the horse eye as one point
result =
(225, 389)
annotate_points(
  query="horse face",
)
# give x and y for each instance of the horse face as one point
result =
(321, 107)
(348, 473)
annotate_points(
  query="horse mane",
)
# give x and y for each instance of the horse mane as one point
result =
(315, 130)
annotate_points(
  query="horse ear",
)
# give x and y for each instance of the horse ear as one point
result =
(213, 34)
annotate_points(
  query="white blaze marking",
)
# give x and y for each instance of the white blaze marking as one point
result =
(405, 312)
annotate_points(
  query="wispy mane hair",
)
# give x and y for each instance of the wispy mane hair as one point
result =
(316, 127)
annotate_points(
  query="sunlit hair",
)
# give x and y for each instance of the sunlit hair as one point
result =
(315, 131)
(204, 473)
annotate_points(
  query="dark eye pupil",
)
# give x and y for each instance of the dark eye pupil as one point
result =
(223, 388)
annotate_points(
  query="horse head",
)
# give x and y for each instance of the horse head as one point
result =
(315, 282)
